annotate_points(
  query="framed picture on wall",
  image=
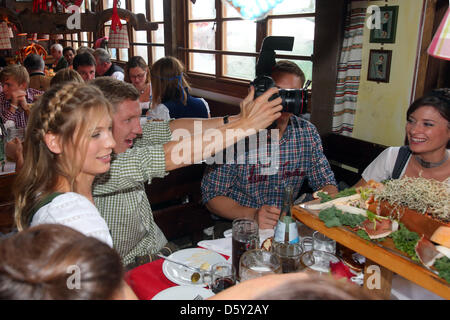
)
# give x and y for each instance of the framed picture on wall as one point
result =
(388, 26)
(379, 65)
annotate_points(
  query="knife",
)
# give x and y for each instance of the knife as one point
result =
(180, 263)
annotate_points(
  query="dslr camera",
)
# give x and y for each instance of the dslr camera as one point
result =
(294, 100)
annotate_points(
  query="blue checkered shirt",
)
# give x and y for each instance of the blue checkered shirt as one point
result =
(254, 184)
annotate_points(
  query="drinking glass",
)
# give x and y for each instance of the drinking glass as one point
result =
(245, 237)
(289, 255)
(323, 243)
(223, 276)
(257, 263)
(16, 132)
(318, 260)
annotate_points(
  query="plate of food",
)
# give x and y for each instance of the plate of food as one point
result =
(194, 257)
(184, 293)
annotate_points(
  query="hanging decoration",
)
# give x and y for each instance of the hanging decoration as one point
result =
(253, 9)
(115, 19)
(44, 5)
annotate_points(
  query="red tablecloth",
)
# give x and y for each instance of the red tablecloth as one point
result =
(148, 280)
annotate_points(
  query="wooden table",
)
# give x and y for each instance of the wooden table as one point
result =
(383, 254)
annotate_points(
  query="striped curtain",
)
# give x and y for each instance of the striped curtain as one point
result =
(349, 69)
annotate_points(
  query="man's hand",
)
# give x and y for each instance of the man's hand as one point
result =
(267, 216)
(18, 97)
(14, 151)
(259, 112)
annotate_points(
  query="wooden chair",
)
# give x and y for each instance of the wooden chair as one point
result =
(348, 157)
(176, 203)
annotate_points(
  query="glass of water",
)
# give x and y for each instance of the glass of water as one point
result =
(323, 243)
(257, 263)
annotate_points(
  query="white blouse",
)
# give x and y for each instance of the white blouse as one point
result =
(381, 168)
(76, 211)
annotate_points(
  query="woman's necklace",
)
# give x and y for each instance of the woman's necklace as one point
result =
(428, 165)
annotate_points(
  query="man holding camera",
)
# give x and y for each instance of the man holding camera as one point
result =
(252, 190)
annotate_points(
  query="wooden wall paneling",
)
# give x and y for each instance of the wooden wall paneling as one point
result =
(330, 16)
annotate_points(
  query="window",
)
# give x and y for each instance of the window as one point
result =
(75, 40)
(149, 45)
(223, 47)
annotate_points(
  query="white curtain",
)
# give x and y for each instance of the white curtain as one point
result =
(349, 69)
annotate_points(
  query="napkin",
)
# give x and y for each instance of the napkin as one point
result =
(223, 245)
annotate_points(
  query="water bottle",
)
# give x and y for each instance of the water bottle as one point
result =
(286, 229)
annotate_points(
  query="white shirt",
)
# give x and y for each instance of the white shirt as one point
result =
(76, 211)
(118, 75)
(381, 168)
(160, 112)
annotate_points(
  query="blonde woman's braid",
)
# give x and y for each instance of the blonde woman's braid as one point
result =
(55, 105)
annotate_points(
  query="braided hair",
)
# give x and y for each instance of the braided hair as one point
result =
(70, 112)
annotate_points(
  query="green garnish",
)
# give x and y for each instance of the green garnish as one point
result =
(333, 217)
(442, 265)
(405, 241)
(344, 193)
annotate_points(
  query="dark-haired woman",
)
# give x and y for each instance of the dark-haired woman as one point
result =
(428, 136)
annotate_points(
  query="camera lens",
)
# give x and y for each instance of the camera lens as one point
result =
(294, 100)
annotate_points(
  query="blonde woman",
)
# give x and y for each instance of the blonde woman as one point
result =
(171, 97)
(68, 142)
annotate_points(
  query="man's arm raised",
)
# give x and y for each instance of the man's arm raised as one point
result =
(255, 114)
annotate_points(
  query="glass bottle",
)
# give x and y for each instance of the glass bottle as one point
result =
(286, 229)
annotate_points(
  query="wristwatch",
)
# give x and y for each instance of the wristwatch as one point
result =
(225, 119)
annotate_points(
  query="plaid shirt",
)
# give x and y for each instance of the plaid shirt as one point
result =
(120, 194)
(253, 184)
(19, 117)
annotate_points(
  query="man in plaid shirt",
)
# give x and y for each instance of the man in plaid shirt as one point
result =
(120, 193)
(16, 96)
(254, 188)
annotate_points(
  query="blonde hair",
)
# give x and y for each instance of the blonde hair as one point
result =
(70, 111)
(167, 74)
(66, 75)
(17, 72)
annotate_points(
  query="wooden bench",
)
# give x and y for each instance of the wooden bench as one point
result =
(176, 203)
(348, 157)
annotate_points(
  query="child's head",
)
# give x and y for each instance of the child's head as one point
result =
(168, 80)
(62, 124)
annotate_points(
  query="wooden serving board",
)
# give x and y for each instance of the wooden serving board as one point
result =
(383, 253)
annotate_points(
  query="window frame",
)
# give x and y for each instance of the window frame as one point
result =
(218, 82)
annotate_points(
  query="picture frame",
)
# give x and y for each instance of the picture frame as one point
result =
(388, 26)
(379, 65)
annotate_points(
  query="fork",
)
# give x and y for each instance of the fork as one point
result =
(198, 297)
